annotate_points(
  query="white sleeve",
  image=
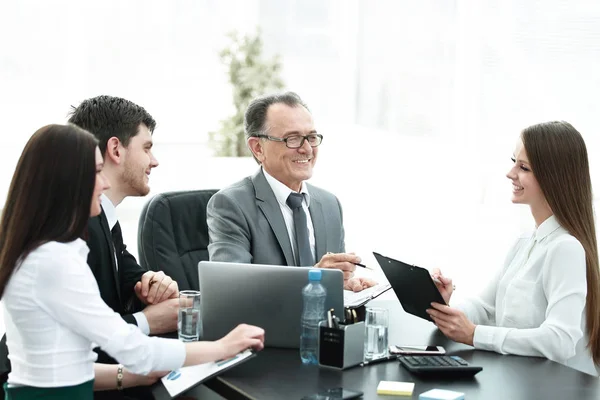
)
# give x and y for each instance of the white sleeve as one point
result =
(481, 310)
(142, 322)
(564, 284)
(66, 289)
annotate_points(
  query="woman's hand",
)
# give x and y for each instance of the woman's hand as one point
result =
(242, 337)
(453, 323)
(443, 283)
(106, 377)
(130, 379)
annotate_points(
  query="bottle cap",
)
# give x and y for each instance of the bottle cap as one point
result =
(314, 275)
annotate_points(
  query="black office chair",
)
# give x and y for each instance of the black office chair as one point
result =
(173, 235)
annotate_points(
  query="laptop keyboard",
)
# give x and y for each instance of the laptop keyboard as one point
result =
(439, 365)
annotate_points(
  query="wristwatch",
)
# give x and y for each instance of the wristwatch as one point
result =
(120, 377)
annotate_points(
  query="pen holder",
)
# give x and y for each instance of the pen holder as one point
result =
(341, 347)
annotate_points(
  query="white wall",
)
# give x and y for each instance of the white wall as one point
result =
(420, 103)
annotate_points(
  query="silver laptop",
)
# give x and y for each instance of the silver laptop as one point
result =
(263, 295)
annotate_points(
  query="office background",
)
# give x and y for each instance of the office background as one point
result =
(420, 102)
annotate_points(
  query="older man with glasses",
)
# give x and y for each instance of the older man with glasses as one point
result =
(274, 216)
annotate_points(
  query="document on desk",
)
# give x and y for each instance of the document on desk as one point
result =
(184, 378)
(357, 299)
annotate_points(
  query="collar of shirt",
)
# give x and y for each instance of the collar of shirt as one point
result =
(547, 227)
(109, 210)
(80, 246)
(282, 192)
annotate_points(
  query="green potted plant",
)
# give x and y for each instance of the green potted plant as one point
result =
(250, 75)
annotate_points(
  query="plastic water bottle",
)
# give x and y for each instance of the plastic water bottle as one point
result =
(314, 295)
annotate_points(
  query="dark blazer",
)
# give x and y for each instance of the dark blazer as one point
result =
(245, 224)
(116, 287)
(117, 291)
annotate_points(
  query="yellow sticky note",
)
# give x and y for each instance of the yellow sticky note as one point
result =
(395, 388)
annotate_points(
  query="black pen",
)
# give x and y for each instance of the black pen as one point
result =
(359, 264)
(379, 360)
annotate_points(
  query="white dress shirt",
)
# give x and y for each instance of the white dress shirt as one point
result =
(54, 317)
(111, 216)
(282, 192)
(535, 306)
(110, 211)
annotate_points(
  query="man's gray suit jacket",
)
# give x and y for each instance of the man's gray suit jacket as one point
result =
(245, 224)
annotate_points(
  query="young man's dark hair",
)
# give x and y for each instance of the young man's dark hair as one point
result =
(108, 116)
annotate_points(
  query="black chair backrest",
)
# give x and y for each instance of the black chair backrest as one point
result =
(173, 235)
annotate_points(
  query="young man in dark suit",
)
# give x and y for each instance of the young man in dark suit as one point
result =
(124, 131)
(147, 299)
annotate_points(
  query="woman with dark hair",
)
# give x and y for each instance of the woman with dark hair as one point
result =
(53, 309)
(545, 302)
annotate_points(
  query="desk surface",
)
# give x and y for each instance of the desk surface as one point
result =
(279, 373)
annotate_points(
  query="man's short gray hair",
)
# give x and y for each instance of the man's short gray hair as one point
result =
(256, 113)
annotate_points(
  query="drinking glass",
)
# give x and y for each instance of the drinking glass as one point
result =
(188, 318)
(376, 338)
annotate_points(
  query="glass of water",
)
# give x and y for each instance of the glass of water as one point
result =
(376, 338)
(188, 319)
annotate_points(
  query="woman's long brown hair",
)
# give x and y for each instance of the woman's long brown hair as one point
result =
(50, 194)
(559, 161)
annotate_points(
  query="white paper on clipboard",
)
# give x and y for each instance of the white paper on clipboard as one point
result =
(357, 299)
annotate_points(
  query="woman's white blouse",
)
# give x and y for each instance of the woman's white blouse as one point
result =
(535, 306)
(54, 317)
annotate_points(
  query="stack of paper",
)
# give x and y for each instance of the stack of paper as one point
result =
(395, 388)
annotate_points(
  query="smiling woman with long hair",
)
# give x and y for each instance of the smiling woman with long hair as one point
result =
(545, 302)
(53, 309)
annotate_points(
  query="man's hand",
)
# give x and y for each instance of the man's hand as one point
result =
(345, 262)
(359, 283)
(453, 323)
(162, 317)
(156, 287)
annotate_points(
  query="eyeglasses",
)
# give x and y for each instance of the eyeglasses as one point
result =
(296, 141)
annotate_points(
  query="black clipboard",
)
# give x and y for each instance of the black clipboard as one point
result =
(413, 285)
(160, 392)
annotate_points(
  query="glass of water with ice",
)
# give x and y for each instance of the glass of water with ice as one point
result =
(376, 338)
(188, 319)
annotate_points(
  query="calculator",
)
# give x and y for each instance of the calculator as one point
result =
(439, 366)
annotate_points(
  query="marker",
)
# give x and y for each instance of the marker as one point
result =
(379, 360)
(336, 322)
